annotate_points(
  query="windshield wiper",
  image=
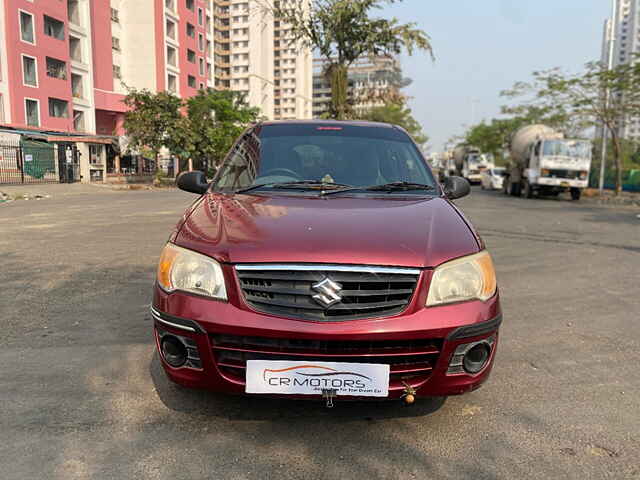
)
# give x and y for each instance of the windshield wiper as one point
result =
(399, 186)
(294, 185)
(387, 187)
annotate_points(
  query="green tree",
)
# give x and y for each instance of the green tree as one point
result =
(397, 114)
(217, 118)
(343, 31)
(595, 97)
(151, 119)
(202, 128)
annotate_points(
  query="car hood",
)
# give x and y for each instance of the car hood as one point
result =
(400, 231)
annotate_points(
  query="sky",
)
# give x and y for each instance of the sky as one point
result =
(485, 46)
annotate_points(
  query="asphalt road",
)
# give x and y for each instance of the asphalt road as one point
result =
(82, 394)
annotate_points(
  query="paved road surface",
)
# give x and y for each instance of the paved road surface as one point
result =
(82, 395)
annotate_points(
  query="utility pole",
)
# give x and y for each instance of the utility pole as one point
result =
(612, 42)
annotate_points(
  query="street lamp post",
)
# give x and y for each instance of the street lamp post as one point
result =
(612, 41)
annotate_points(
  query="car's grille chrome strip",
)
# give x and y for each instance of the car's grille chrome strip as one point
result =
(298, 291)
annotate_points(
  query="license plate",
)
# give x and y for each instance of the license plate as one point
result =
(311, 378)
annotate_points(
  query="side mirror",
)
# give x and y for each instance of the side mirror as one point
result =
(194, 182)
(456, 187)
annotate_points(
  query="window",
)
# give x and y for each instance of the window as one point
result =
(73, 9)
(26, 28)
(77, 89)
(201, 61)
(201, 42)
(172, 56)
(58, 108)
(117, 71)
(191, 31)
(191, 81)
(115, 43)
(29, 71)
(172, 83)
(115, 17)
(78, 121)
(200, 17)
(53, 28)
(32, 111)
(190, 4)
(171, 29)
(75, 49)
(191, 56)
(95, 154)
(56, 68)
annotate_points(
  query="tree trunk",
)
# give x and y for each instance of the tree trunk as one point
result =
(337, 76)
(618, 160)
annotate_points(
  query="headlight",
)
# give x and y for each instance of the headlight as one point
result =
(182, 269)
(467, 278)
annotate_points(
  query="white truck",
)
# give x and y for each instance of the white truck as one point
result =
(470, 162)
(544, 162)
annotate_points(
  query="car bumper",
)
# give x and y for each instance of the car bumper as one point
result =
(561, 182)
(202, 322)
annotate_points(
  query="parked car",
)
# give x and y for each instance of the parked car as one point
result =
(323, 261)
(492, 178)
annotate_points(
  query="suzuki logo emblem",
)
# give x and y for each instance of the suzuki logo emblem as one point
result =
(328, 292)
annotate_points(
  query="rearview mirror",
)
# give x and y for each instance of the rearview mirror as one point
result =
(194, 182)
(456, 187)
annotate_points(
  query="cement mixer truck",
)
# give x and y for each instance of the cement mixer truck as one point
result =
(470, 163)
(544, 162)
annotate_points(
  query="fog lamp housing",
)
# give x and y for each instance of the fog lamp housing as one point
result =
(471, 358)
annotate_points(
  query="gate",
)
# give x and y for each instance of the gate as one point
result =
(68, 163)
(28, 162)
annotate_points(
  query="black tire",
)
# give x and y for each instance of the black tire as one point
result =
(575, 194)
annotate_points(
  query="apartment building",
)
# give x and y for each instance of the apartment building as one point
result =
(624, 30)
(372, 80)
(254, 54)
(65, 64)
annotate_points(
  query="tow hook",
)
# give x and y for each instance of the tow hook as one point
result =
(329, 394)
(409, 395)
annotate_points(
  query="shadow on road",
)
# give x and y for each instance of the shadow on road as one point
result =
(236, 407)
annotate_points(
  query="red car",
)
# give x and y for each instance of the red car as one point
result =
(325, 261)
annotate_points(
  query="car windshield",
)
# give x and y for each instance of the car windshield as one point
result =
(317, 155)
(567, 148)
(498, 172)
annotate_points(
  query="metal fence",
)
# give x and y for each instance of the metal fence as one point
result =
(33, 162)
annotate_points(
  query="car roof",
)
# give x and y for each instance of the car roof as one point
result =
(354, 123)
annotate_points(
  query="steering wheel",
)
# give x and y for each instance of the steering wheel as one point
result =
(279, 171)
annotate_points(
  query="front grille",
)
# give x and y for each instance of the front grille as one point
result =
(558, 173)
(410, 361)
(365, 291)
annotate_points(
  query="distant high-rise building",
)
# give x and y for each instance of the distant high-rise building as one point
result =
(254, 54)
(372, 81)
(65, 64)
(624, 31)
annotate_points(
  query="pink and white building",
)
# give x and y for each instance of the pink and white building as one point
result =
(64, 64)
